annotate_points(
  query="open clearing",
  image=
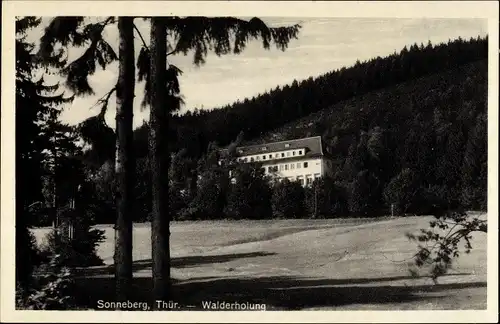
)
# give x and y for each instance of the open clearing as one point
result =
(297, 264)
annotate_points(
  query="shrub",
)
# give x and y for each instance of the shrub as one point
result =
(51, 288)
(27, 255)
(81, 251)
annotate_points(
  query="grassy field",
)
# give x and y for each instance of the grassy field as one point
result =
(296, 264)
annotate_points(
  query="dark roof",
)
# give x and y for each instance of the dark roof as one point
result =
(311, 144)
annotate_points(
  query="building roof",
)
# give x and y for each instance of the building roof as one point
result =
(312, 145)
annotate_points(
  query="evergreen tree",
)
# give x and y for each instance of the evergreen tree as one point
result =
(324, 199)
(288, 200)
(38, 106)
(360, 197)
(402, 191)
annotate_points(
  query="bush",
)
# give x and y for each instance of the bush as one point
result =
(51, 288)
(27, 255)
(81, 251)
(73, 253)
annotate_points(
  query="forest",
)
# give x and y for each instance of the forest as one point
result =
(261, 114)
(409, 129)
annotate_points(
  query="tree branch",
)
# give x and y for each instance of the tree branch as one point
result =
(104, 100)
(108, 21)
(142, 38)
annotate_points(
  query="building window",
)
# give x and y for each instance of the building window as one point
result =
(292, 166)
(287, 145)
(293, 153)
(251, 159)
(257, 158)
(286, 166)
(275, 168)
(300, 179)
(287, 153)
(300, 152)
(282, 154)
(277, 155)
(270, 169)
(306, 164)
(270, 156)
(299, 165)
(245, 160)
(309, 179)
(263, 157)
(281, 167)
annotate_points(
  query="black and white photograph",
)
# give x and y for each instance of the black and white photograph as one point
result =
(245, 164)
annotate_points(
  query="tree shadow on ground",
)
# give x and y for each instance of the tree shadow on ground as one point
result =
(278, 292)
(179, 262)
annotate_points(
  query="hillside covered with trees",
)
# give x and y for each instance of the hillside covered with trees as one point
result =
(261, 114)
(409, 129)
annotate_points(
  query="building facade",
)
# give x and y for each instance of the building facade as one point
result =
(300, 160)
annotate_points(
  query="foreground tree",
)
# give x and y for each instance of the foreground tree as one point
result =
(125, 159)
(198, 34)
(159, 156)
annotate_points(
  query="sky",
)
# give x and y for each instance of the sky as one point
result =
(323, 45)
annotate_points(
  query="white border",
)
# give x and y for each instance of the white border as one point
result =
(408, 9)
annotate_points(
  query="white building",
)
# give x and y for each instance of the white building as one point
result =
(300, 160)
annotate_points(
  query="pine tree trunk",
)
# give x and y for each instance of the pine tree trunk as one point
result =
(125, 159)
(159, 161)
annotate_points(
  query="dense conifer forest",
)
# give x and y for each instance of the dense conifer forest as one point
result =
(281, 105)
(407, 130)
